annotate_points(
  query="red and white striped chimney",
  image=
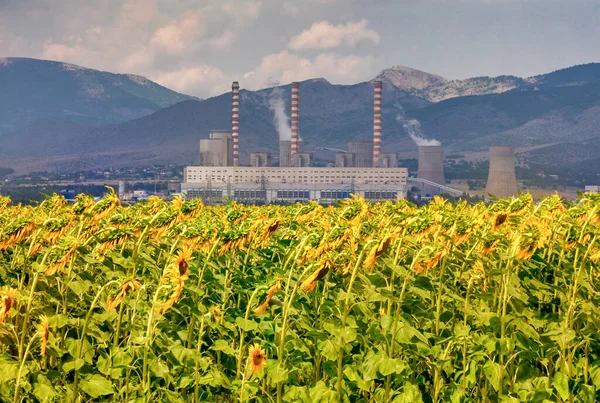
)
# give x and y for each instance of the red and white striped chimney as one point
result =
(377, 123)
(295, 115)
(235, 120)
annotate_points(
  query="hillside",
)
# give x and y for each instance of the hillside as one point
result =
(545, 112)
(331, 116)
(35, 89)
(436, 88)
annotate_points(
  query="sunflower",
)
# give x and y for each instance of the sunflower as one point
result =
(44, 333)
(216, 313)
(62, 260)
(8, 301)
(128, 286)
(257, 358)
(263, 307)
(377, 251)
(182, 261)
(311, 282)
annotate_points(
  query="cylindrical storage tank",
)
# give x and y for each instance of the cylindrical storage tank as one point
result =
(285, 152)
(502, 181)
(431, 168)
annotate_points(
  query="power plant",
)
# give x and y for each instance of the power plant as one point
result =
(364, 170)
(431, 168)
(502, 181)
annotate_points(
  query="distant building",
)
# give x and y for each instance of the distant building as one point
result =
(592, 189)
(362, 153)
(217, 149)
(289, 184)
(260, 159)
(344, 160)
(285, 152)
(388, 160)
(303, 159)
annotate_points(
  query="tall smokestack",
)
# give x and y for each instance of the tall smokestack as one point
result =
(431, 167)
(295, 114)
(377, 122)
(502, 181)
(235, 120)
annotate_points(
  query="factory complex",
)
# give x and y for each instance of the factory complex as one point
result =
(362, 170)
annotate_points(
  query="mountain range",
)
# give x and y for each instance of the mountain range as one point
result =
(107, 119)
(35, 90)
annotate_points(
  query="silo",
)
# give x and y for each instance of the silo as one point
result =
(431, 168)
(502, 181)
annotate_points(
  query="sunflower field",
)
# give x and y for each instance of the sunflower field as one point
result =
(179, 302)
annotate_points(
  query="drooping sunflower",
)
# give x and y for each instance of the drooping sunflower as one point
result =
(127, 287)
(263, 307)
(310, 283)
(8, 301)
(44, 331)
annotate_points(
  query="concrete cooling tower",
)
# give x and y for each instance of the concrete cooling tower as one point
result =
(431, 168)
(502, 181)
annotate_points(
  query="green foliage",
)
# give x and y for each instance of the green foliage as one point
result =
(356, 303)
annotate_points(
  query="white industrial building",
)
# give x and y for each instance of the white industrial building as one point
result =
(287, 184)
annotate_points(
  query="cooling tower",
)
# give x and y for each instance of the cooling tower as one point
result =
(376, 122)
(285, 151)
(431, 168)
(235, 117)
(295, 118)
(502, 181)
(121, 189)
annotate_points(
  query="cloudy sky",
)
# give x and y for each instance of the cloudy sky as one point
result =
(200, 46)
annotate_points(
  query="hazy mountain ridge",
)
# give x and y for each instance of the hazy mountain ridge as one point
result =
(436, 88)
(35, 89)
(562, 107)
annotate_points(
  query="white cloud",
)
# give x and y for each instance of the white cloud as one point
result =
(286, 67)
(138, 60)
(223, 41)
(290, 9)
(323, 35)
(179, 35)
(204, 79)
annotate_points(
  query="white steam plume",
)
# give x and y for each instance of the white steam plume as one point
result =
(413, 128)
(280, 119)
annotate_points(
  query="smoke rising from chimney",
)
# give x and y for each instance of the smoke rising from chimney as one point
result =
(280, 118)
(413, 128)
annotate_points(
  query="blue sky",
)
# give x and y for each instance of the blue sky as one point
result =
(200, 46)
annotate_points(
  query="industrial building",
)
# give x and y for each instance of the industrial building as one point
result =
(294, 183)
(502, 181)
(262, 159)
(363, 170)
(218, 149)
(360, 154)
(431, 168)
